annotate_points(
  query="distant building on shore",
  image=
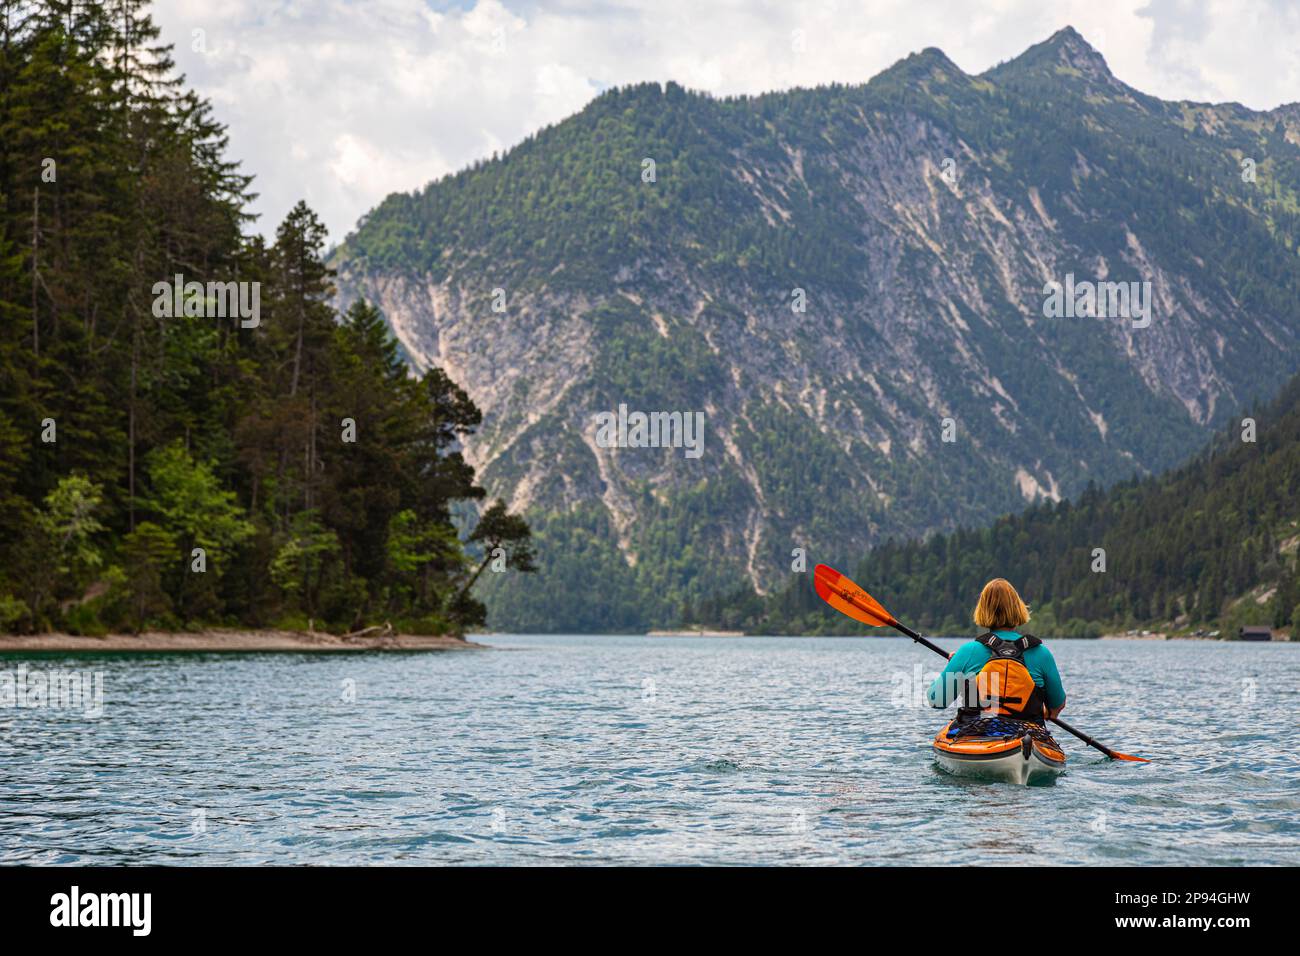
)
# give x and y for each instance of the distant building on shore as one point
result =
(1256, 632)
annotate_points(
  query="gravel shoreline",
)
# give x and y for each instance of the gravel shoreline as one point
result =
(230, 641)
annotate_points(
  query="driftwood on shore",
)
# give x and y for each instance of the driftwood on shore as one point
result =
(240, 641)
(385, 628)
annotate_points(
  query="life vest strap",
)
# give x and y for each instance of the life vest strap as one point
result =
(996, 645)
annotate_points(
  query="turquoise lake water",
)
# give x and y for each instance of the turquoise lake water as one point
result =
(639, 750)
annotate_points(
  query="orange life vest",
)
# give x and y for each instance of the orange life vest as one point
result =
(1004, 687)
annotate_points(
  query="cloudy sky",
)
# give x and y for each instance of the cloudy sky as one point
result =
(341, 102)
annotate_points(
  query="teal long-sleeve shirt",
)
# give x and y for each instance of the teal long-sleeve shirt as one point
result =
(972, 655)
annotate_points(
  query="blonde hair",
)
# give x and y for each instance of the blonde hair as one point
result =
(1000, 607)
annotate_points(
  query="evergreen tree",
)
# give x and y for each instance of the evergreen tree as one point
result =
(163, 466)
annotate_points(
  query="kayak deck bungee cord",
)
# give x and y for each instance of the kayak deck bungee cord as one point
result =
(998, 748)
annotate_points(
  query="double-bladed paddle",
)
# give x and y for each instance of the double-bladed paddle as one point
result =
(841, 593)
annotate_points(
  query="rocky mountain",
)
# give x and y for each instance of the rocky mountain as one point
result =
(854, 286)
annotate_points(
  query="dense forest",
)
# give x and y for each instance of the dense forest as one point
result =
(1212, 545)
(190, 435)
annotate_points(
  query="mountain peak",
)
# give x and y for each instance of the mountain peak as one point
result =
(1065, 51)
(927, 66)
(1073, 50)
(933, 56)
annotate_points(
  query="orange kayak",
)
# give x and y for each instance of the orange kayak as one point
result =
(1008, 750)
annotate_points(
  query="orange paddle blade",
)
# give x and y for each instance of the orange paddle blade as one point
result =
(1119, 756)
(841, 593)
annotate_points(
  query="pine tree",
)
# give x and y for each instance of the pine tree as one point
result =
(193, 431)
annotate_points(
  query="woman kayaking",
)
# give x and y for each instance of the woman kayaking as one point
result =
(1001, 687)
(1000, 737)
(1008, 685)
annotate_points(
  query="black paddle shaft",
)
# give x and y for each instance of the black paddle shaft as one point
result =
(1082, 736)
(921, 640)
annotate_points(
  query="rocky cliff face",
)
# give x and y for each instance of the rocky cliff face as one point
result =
(849, 283)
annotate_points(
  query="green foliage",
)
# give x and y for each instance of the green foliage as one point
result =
(576, 557)
(85, 619)
(192, 506)
(412, 546)
(146, 553)
(70, 525)
(309, 555)
(12, 613)
(194, 431)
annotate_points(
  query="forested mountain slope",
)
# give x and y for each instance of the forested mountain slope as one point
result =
(655, 249)
(1212, 544)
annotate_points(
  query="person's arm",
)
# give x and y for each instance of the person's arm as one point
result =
(1053, 689)
(943, 690)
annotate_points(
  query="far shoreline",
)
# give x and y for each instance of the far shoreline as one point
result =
(230, 641)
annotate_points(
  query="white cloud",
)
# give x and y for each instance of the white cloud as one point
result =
(341, 102)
